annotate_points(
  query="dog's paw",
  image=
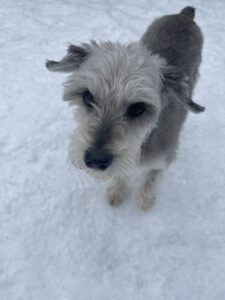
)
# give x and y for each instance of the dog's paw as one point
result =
(116, 194)
(145, 200)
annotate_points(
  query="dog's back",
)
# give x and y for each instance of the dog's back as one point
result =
(178, 39)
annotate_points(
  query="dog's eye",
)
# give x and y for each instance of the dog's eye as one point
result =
(135, 110)
(88, 99)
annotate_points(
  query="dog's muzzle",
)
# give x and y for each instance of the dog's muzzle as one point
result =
(98, 159)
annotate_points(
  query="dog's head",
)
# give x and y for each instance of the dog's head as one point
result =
(117, 93)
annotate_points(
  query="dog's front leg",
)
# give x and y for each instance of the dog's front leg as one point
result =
(145, 194)
(117, 190)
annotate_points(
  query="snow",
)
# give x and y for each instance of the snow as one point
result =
(59, 239)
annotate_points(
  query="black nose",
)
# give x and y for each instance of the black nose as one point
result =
(97, 159)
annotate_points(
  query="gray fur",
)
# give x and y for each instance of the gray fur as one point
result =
(160, 70)
(188, 11)
(74, 58)
(179, 40)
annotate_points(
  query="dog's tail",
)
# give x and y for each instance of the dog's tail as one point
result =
(188, 11)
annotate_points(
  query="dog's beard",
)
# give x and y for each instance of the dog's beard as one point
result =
(126, 156)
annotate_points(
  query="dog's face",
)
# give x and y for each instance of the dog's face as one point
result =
(116, 90)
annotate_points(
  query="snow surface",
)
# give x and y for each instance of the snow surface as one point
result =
(59, 239)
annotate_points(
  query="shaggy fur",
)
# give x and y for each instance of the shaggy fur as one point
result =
(161, 71)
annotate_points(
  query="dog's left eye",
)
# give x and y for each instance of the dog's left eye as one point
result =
(88, 99)
(135, 110)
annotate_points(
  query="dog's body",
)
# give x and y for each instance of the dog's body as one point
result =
(133, 101)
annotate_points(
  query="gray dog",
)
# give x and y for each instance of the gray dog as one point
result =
(131, 101)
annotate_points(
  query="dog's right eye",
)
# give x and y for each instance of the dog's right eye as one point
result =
(88, 99)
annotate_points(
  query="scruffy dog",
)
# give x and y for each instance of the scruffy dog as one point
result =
(131, 101)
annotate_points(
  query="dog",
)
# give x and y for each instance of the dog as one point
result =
(131, 101)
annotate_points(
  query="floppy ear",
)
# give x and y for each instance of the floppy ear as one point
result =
(178, 85)
(74, 58)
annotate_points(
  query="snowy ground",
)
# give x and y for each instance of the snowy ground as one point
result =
(58, 237)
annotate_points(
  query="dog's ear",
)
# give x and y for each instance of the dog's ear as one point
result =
(178, 85)
(74, 58)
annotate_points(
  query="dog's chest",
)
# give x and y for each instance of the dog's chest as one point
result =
(156, 163)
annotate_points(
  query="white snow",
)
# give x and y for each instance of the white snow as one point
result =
(59, 239)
